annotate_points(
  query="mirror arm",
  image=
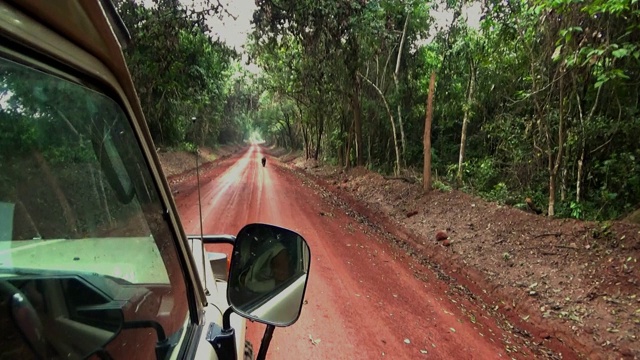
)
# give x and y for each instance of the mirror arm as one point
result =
(223, 339)
(219, 239)
(226, 319)
(214, 239)
(266, 340)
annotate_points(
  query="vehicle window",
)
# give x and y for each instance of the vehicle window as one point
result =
(82, 236)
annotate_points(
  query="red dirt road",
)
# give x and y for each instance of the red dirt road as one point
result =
(364, 299)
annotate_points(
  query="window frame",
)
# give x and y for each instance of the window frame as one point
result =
(106, 84)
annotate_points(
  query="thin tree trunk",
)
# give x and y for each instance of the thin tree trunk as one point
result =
(564, 174)
(289, 130)
(426, 184)
(388, 150)
(553, 168)
(320, 129)
(563, 186)
(369, 149)
(357, 122)
(465, 120)
(348, 150)
(393, 127)
(583, 143)
(395, 80)
(305, 141)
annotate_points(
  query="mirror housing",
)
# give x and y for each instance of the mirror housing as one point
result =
(268, 274)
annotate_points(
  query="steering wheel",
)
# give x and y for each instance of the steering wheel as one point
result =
(15, 305)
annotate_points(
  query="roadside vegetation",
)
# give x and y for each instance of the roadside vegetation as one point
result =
(534, 104)
(181, 71)
(533, 99)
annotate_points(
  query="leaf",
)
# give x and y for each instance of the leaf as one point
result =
(556, 53)
(620, 53)
(314, 341)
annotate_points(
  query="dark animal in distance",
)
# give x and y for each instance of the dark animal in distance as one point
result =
(264, 161)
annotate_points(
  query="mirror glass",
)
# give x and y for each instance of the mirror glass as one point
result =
(268, 275)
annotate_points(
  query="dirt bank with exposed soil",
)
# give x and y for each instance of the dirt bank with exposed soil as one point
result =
(558, 286)
(177, 165)
(556, 282)
(365, 299)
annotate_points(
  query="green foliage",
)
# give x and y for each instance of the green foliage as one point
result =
(180, 72)
(602, 231)
(188, 147)
(499, 193)
(555, 101)
(439, 185)
(576, 210)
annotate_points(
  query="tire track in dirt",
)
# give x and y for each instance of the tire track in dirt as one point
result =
(364, 298)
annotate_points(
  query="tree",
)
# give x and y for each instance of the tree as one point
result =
(536, 102)
(189, 79)
(427, 135)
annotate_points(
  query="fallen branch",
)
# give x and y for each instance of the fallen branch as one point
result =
(405, 179)
(554, 246)
(547, 234)
(565, 247)
(549, 253)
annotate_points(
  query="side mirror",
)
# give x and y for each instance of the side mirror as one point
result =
(268, 275)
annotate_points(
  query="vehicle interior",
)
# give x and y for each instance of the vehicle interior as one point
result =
(75, 192)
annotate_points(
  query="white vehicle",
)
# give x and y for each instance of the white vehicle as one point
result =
(94, 262)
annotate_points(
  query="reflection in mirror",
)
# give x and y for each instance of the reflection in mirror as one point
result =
(268, 275)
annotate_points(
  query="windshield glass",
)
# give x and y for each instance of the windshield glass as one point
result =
(82, 233)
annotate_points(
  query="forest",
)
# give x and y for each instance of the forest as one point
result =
(532, 100)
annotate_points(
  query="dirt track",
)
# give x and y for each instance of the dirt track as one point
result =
(366, 299)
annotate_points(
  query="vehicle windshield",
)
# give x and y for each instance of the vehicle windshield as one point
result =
(82, 233)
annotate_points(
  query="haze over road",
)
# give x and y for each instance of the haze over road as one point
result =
(363, 300)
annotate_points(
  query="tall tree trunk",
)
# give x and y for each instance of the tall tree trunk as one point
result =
(555, 165)
(320, 129)
(395, 80)
(369, 149)
(426, 184)
(344, 143)
(393, 126)
(289, 131)
(552, 194)
(564, 173)
(583, 143)
(347, 154)
(357, 121)
(579, 176)
(465, 120)
(305, 139)
(563, 186)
